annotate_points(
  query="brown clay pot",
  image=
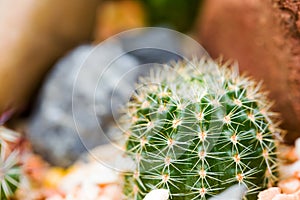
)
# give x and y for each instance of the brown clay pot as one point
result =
(33, 35)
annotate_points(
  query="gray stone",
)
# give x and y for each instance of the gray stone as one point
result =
(61, 135)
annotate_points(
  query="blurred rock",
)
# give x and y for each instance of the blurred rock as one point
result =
(269, 193)
(34, 34)
(154, 46)
(160, 45)
(52, 130)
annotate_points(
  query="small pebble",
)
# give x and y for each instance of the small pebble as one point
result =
(159, 194)
(235, 192)
(269, 194)
(286, 197)
(289, 186)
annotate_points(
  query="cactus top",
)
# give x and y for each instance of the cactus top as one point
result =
(196, 128)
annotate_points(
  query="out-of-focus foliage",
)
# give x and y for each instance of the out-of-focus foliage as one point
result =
(177, 14)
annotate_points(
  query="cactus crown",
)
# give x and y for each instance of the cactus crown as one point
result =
(196, 128)
(9, 169)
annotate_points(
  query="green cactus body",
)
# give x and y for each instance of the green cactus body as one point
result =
(9, 169)
(197, 128)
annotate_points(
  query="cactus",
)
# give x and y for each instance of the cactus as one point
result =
(9, 169)
(196, 128)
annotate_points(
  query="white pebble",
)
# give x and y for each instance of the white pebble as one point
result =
(235, 192)
(159, 194)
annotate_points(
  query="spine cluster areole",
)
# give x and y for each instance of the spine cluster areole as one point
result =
(196, 128)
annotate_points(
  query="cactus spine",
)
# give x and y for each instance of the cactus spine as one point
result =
(9, 169)
(197, 128)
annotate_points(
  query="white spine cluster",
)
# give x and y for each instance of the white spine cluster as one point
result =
(9, 172)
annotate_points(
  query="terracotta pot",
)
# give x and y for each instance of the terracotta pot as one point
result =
(33, 35)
